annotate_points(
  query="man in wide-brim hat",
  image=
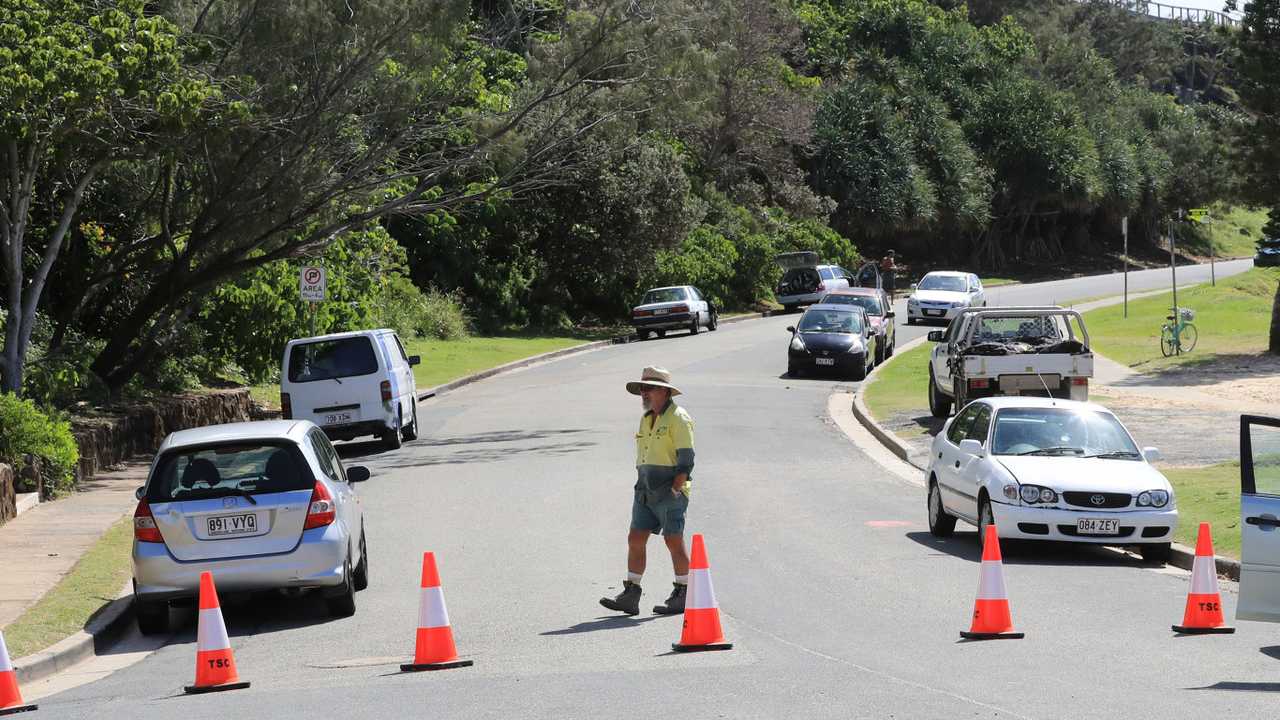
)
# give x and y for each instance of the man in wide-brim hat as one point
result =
(664, 461)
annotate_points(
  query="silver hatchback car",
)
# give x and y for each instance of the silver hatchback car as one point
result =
(261, 505)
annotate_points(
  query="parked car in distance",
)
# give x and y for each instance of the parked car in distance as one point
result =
(804, 280)
(352, 384)
(1035, 350)
(1044, 469)
(879, 313)
(832, 337)
(940, 295)
(1268, 252)
(262, 505)
(681, 307)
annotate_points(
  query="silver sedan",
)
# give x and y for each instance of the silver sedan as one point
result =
(261, 505)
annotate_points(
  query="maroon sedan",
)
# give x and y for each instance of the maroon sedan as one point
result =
(879, 312)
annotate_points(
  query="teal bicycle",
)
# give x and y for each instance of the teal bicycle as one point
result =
(1178, 335)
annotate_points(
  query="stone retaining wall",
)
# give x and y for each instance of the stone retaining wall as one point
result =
(110, 440)
(8, 507)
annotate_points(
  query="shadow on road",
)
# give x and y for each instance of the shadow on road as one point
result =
(1247, 686)
(964, 545)
(256, 613)
(608, 622)
(353, 450)
(489, 455)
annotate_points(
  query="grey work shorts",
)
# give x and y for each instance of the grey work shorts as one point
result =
(660, 511)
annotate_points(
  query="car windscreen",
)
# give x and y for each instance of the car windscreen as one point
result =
(866, 302)
(228, 470)
(830, 321)
(328, 359)
(664, 295)
(1062, 432)
(949, 283)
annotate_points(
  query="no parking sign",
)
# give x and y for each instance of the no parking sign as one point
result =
(311, 283)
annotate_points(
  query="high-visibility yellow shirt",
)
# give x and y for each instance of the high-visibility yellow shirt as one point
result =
(664, 448)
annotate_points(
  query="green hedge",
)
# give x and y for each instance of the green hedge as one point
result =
(26, 430)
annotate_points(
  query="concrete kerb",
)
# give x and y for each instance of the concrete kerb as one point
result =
(102, 629)
(1180, 556)
(553, 355)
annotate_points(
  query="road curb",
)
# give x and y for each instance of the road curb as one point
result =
(554, 355)
(881, 433)
(103, 628)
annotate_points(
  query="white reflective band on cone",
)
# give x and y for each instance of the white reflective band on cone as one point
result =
(1204, 576)
(212, 633)
(5, 665)
(702, 594)
(991, 582)
(431, 610)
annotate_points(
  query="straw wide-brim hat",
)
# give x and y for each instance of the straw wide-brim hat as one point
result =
(653, 377)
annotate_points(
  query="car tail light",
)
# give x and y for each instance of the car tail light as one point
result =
(386, 390)
(680, 309)
(642, 313)
(1080, 381)
(979, 383)
(322, 511)
(144, 524)
(286, 407)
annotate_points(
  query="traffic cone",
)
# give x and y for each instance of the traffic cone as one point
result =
(215, 664)
(1203, 615)
(701, 613)
(10, 698)
(991, 619)
(433, 648)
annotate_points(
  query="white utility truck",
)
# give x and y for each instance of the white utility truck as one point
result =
(984, 352)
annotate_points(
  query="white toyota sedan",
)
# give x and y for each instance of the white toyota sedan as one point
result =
(941, 295)
(1044, 469)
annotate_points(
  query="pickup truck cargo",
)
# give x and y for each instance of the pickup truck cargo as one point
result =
(985, 352)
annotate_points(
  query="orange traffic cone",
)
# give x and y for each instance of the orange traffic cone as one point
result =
(433, 648)
(701, 613)
(215, 664)
(1204, 603)
(991, 619)
(10, 698)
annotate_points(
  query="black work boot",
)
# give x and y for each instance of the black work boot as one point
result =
(675, 603)
(628, 601)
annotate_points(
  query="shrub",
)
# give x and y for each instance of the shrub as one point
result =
(25, 430)
(413, 313)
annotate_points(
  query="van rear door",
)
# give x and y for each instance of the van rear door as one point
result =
(336, 381)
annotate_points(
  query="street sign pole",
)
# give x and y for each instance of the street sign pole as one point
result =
(1173, 265)
(1124, 228)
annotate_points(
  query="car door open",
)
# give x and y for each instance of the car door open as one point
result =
(1260, 513)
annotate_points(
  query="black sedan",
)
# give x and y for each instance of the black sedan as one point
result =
(835, 338)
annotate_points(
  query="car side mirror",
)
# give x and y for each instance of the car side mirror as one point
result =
(936, 335)
(791, 329)
(137, 494)
(1151, 454)
(913, 287)
(357, 473)
(969, 446)
(415, 360)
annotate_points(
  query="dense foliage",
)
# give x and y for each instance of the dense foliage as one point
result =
(539, 162)
(27, 433)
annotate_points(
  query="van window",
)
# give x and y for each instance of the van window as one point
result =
(400, 346)
(328, 359)
(253, 466)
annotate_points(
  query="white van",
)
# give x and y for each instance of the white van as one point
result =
(352, 384)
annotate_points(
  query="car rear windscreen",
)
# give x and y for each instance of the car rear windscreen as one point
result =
(663, 295)
(328, 359)
(254, 468)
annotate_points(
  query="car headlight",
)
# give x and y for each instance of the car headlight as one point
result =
(1032, 494)
(797, 344)
(855, 347)
(1153, 498)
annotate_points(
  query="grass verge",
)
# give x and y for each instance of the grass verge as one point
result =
(1232, 318)
(1208, 494)
(1234, 232)
(901, 384)
(93, 582)
(997, 281)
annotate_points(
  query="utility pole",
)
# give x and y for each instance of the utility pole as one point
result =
(1124, 228)
(1173, 265)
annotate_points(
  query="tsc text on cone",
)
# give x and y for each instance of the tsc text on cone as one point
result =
(215, 663)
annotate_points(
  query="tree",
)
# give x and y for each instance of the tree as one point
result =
(83, 84)
(1260, 92)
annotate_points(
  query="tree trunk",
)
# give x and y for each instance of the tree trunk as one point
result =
(1275, 323)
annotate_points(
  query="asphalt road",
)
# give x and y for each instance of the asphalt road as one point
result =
(838, 600)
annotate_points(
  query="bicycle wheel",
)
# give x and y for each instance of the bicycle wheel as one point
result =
(1166, 340)
(1187, 337)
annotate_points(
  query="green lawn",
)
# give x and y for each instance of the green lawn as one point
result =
(1208, 494)
(1233, 230)
(93, 582)
(1234, 317)
(901, 384)
(997, 281)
